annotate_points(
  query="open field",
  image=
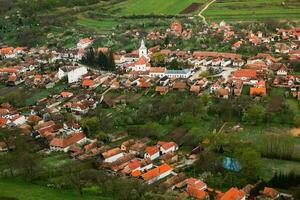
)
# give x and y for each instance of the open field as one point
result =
(24, 191)
(101, 25)
(141, 7)
(252, 10)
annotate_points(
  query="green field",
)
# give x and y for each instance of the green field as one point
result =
(141, 7)
(24, 191)
(252, 10)
(103, 25)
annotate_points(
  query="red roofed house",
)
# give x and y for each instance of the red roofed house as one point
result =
(195, 188)
(87, 83)
(157, 173)
(166, 147)
(112, 155)
(259, 89)
(271, 193)
(176, 27)
(248, 76)
(64, 143)
(84, 43)
(234, 194)
(152, 152)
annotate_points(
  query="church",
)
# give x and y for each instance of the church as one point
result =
(142, 64)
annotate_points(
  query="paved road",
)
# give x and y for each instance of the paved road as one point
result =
(200, 13)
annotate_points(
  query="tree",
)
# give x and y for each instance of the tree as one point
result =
(158, 59)
(276, 146)
(297, 120)
(254, 114)
(90, 125)
(250, 161)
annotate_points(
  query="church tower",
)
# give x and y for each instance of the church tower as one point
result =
(143, 51)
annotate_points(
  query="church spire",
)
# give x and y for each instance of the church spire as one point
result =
(143, 51)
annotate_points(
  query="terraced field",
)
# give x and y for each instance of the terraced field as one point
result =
(252, 10)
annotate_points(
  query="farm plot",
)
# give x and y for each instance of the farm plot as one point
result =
(253, 10)
(141, 7)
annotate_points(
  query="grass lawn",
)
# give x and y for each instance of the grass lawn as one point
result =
(141, 7)
(250, 10)
(25, 191)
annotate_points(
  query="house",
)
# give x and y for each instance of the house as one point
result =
(176, 28)
(166, 147)
(157, 72)
(66, 94)
(259, 89)
(126, 145)
(179, 85)
(233, 193)
(152, 152)
(271, 193)
(3, 146)
(84, 43)
(169, 158)
(18, 120)
(195, 188)
(74, 73)
(223, 93)
(282, 71)
(65, 142)
(112, 155)
(157, 173)
(162, 90)
(88, 83)
(3, 122)
(248, 76)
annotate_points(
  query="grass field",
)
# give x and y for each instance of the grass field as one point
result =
(102, 25)
(140, 7)
(24, 191)
(252, 10)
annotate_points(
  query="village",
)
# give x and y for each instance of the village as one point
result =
(83, 88)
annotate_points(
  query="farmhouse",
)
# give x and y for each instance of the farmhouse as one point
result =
(84, 43)
(233, 193)
(166, 147)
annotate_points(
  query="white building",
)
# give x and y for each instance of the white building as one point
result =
(74, 73)
(185, 73)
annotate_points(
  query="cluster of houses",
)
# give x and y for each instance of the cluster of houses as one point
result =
(139, 158)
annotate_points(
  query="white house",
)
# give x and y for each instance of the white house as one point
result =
(112, 155)
(152, 152)
(157, 173)
(141, 65)
(166, 147)
(74, 73)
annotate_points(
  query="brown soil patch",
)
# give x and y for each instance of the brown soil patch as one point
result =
(191, 8)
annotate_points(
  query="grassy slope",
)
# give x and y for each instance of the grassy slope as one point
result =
(130, 7)
(24, 191)
(252, 10)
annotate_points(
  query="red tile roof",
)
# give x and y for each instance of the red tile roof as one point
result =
(156, 172)
(87, 83)
(245, 73)
(67, 141)
(233, 194)
(151, 150)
